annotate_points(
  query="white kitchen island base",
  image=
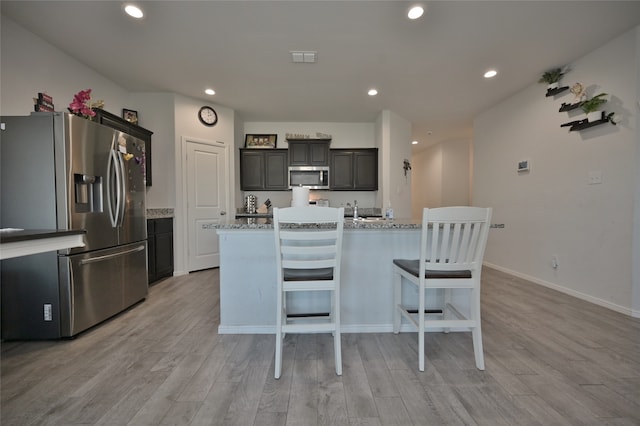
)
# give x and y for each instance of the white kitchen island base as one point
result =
(248, 280)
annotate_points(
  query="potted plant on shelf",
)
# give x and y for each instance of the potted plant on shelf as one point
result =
(591, 107)
(552, 77)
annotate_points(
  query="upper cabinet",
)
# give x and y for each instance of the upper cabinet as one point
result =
(263, 170)
(353, 169)
(309, 152)
(115, 122)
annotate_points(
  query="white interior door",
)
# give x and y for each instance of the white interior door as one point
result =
(206, 203)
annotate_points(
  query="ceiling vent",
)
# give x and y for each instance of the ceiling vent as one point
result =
(307, 57)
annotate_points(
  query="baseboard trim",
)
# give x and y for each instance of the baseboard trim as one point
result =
(345, 329)
(583, 296)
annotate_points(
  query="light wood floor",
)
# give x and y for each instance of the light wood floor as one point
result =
(550, 360)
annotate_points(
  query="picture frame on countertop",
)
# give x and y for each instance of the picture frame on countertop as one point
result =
(130, 115)
(260, 141)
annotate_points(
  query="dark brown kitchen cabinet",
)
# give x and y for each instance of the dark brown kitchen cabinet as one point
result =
(115, 122)
(160, 248)
(353, 169)
(263, 170)
(309, 152)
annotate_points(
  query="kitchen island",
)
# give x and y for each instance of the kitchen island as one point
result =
(248, 275)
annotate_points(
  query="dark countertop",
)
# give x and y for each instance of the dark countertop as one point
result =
(254, 215)
(12, 236)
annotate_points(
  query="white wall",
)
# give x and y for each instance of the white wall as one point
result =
(552, 210)
(156, 112)
(427, 179)
(30, 65)
(456, 168)
(442, 176)
(397, 138)
(187, 126)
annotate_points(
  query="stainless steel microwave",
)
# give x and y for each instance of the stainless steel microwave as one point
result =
(312, 177)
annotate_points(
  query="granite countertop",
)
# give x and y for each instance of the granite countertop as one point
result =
(267, 223)
(159, 213)
(348, 213)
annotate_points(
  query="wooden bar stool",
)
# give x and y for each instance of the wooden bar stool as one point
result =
(308, 252)
(451, 250)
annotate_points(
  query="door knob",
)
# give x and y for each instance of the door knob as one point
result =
(222, 213)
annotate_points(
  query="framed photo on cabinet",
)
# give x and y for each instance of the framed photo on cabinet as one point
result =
(260, 141)
(130, 115)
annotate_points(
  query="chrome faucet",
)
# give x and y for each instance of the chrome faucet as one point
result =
(355, 209)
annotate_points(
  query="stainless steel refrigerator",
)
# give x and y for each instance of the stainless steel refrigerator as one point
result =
(60, 171)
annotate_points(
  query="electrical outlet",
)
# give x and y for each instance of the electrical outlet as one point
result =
(47, 312)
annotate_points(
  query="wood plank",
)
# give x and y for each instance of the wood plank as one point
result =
(550, 359)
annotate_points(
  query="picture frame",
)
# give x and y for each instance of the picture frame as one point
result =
(130, 115)
(267, 141)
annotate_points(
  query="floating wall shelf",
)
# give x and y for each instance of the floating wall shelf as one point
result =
(578, 125)
(556, 91)
(569, 107)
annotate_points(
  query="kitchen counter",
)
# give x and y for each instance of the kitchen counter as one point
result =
(254, 222)
(159, 213)
(248, 275)
(22, 242)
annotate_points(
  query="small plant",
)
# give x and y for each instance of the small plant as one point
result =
(551, 76)
(593, 104)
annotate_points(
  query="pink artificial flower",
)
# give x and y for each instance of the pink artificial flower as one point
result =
(79, 103)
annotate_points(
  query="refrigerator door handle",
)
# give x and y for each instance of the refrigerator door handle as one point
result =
(109, 191)
(113, 167)
(122, 194)
(110, 256)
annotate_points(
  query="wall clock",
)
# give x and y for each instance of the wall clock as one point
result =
(208, 116)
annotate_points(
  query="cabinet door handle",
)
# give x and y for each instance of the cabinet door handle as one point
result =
(222, 213)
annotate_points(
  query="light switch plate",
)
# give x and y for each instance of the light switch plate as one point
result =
(523, 166)
(595, 178)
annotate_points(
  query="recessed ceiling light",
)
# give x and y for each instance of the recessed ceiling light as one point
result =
(210, 92)
(490, 73)
(133, 11)
(415, 12)
(414, 142)
(372, 92)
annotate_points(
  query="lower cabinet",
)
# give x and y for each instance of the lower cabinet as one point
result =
(160, 246)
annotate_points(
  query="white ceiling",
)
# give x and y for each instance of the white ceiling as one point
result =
(428, 71)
